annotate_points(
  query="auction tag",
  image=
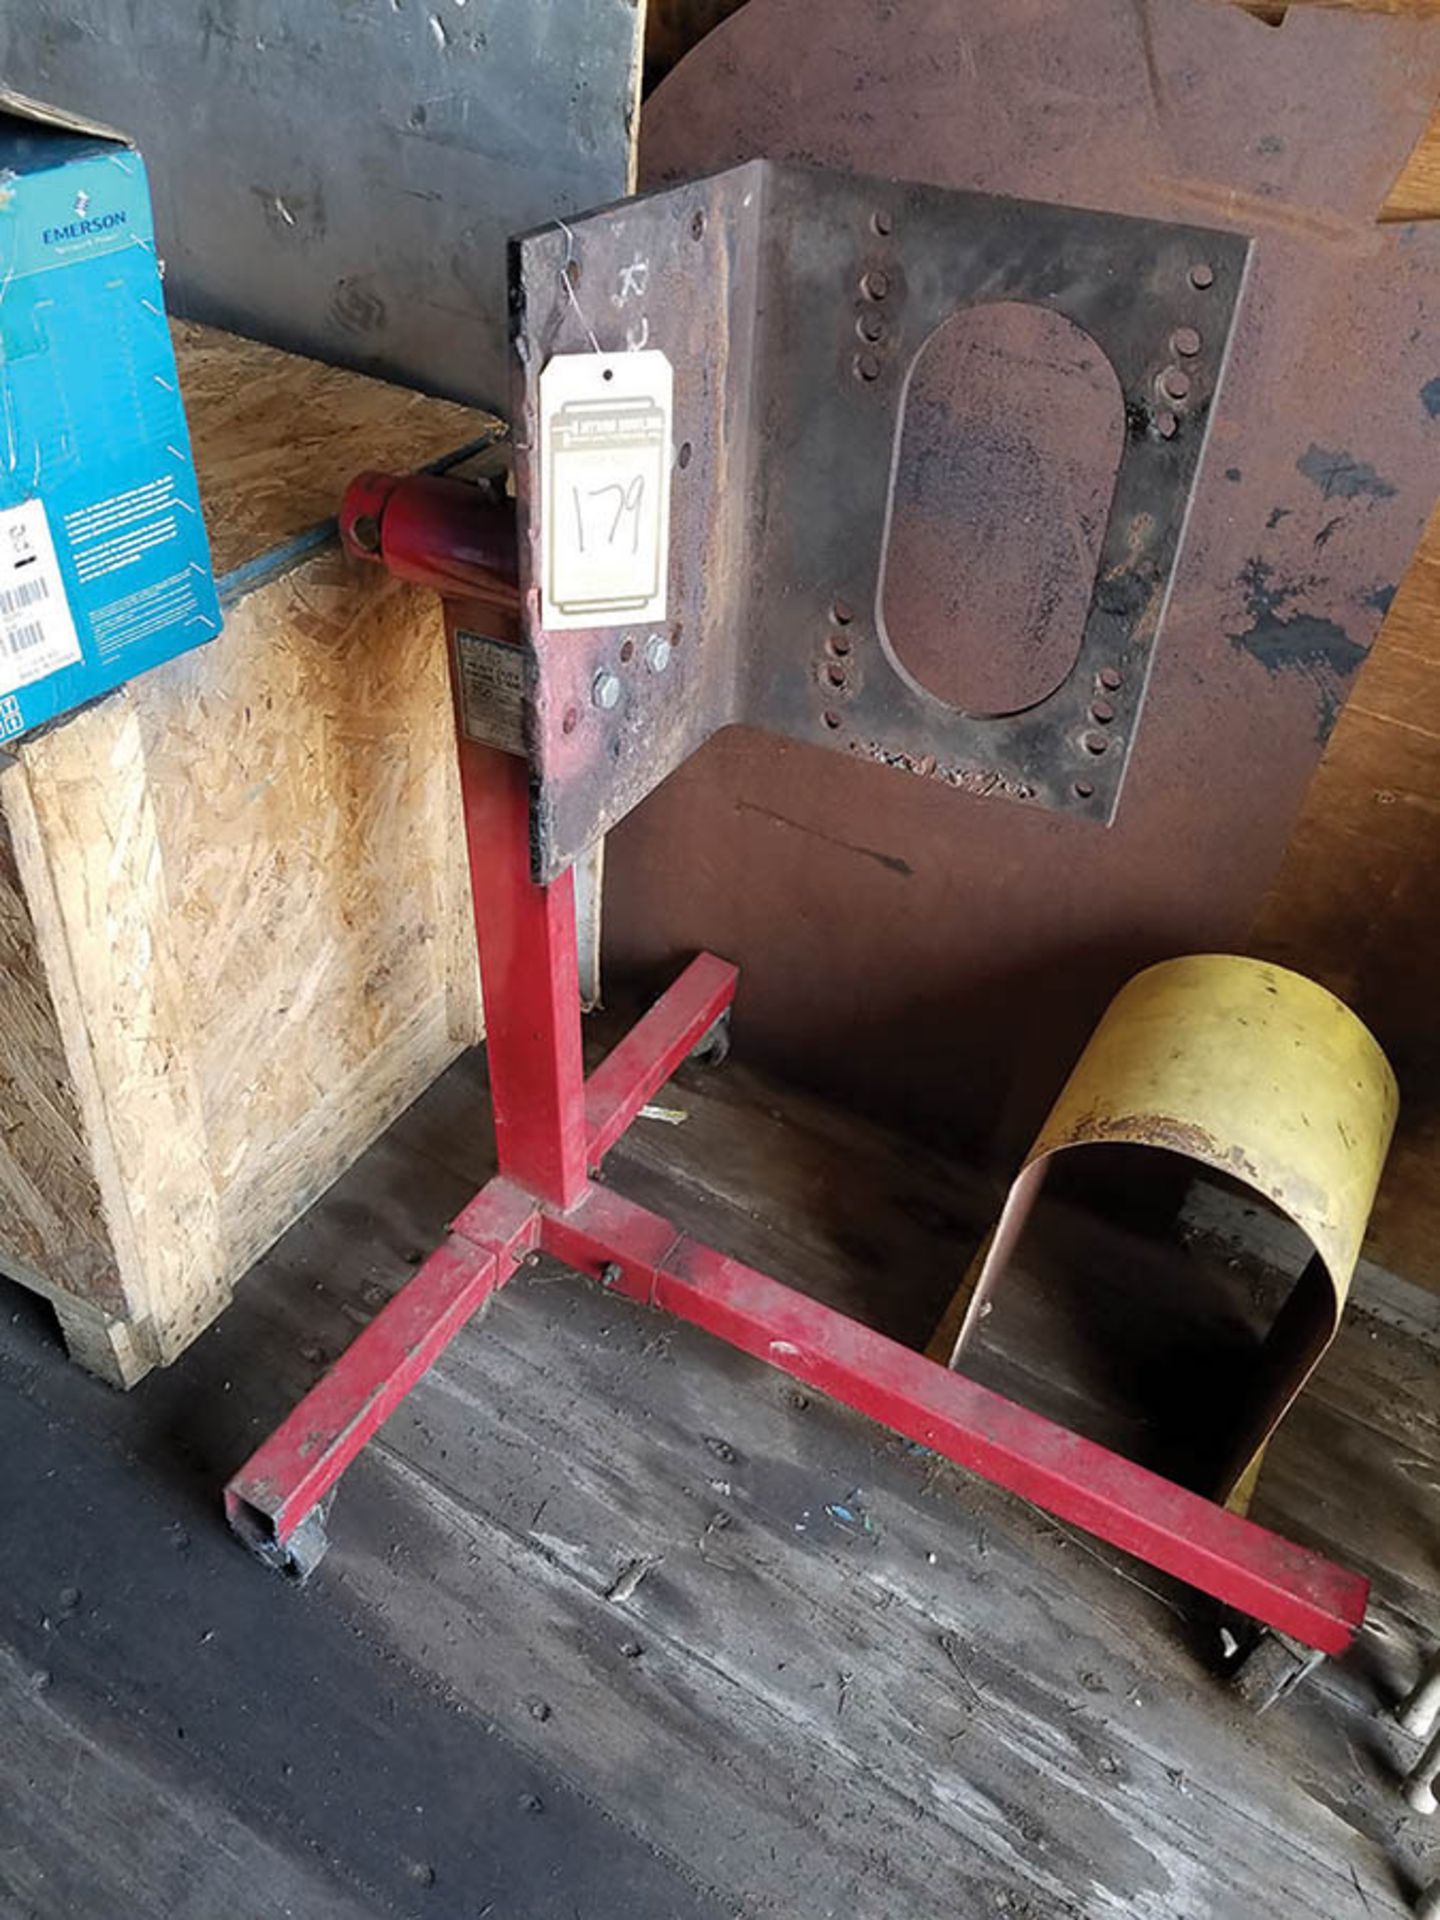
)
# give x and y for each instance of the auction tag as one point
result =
(37, 634)
(492, 690)
(605, 474)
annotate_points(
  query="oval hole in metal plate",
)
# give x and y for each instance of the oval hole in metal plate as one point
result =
(1010, 437)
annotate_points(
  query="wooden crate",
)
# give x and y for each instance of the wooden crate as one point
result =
(234, 913)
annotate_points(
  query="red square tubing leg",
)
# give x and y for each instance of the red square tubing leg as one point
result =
(645, 1258)
(283, 1482)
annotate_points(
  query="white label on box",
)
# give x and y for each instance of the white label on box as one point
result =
(605, 478)
(37, 634)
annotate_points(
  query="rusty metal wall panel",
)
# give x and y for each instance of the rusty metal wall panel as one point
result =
(339, 177)
(942, 954)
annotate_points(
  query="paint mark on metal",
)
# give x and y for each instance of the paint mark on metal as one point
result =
(892, 862)
(1430, 397)
(1294, 641)
(1340, 476)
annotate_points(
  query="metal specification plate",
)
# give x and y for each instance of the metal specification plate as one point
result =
(492, 690)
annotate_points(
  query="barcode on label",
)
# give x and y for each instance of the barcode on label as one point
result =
(37, 631)
(16, 599)
(21, 639)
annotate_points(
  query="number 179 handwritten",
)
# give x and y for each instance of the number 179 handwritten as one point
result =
(628, 499)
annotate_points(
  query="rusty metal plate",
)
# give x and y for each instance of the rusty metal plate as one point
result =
(943, 956)
(794, 306)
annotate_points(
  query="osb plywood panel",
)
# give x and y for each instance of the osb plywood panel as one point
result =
(50, 1203)
(235, 935)
(308, 809)
(96, 831)
(276, 437)
(1357, 900)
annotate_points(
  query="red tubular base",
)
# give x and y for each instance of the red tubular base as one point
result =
(551, 1126)
(287, 1477)
(654, 1047)
(643, 1257)
(646, 1258)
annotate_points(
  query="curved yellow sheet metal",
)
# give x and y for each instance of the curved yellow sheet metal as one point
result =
(1256, 1072)
(1250, 1069)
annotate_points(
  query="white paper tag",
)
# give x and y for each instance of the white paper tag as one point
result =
(37, 634)
(605, 473)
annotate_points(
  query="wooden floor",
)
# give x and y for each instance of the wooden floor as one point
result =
(616, 1621)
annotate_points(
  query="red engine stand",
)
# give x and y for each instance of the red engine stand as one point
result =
(553, 1127)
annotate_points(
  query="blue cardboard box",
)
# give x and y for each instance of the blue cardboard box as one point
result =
(104, 563)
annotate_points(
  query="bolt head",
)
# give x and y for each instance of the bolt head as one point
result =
(1202, 275)
(1185, 341)
(605, 690)
(867, 366)
(657, 653)
(1175, 383)
(1166, 424)
(876, 284)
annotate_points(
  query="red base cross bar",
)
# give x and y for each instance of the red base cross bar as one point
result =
(553, 1127)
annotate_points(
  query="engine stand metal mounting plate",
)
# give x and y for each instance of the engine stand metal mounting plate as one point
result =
(757, 284)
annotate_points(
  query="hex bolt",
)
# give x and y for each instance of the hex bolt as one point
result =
(876, 284)
(605, 689)
(657, 653)
(867, 366)
(1185, 341)
(1202, 275)
(870, 327)
(1174, 383)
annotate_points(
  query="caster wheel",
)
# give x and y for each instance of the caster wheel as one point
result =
(712, 1049)
(1419, 1713)
(298, 1557)
(1272, 1668)
(1422, 1783)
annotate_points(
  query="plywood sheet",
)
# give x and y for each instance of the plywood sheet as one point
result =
(50, 1206)
(308, 810)
(235, 931)
(277, 437)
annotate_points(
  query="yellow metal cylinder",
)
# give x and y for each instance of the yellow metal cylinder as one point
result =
(1250, 1069)
(1260, 1074)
